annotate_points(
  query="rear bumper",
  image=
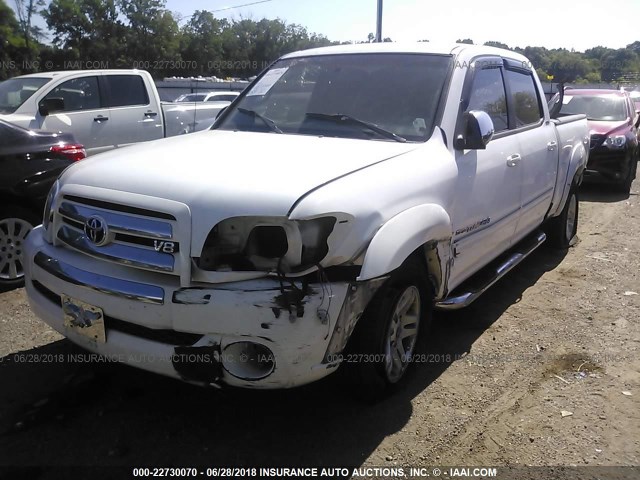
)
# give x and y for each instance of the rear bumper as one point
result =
(149, 318)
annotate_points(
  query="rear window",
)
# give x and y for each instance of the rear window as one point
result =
(126, 90)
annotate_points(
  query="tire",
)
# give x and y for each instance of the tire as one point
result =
(15, 224)
(563, 228)
(374, 366)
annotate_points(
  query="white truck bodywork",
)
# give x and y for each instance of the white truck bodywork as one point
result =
(461, 207)
(103, 127)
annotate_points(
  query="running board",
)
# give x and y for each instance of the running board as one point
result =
(470, 290)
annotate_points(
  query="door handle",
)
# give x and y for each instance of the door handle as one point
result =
(551, 146)
(513, 160)
(151, 114)
(100, 119)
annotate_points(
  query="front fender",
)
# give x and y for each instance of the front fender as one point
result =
(401, 236)
(575, 162)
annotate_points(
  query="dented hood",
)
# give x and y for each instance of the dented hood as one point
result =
(220, 174)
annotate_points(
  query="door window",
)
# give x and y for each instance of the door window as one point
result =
(488, 94)
(524, 97)
(126, 90)
(78, 94)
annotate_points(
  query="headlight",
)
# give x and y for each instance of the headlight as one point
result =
(47, 216)
(616, 141)
(266, 244)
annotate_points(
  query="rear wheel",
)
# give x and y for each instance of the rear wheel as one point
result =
(563, 228)
(15, 224)
(386, 338)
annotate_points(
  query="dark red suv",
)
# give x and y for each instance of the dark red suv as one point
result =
(613, 125)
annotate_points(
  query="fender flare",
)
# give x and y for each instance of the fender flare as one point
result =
(575, 171)
(402, 235)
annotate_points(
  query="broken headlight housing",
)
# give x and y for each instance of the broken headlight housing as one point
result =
(272, 244)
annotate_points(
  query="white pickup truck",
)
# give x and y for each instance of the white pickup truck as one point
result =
(353, 189)
(103, 109)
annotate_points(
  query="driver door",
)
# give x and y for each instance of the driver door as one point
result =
(487, 205)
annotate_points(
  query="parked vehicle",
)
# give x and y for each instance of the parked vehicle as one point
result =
(104, 109)
(613, 125)
(224, 96)
(353, 189)
(30, 162)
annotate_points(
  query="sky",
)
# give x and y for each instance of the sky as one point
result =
(554, 24)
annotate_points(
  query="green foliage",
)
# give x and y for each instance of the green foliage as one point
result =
(497, 45)
(144, 34)
(11, 42)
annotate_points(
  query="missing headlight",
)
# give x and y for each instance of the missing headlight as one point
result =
(266, 244)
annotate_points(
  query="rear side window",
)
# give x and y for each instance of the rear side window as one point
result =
(488, 94)
(126, 90)
(78, 94)
(524, 98)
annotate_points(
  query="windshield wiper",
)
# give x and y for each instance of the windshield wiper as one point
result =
(342, 118)
(266, 120)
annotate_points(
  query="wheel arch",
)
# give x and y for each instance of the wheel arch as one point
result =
(424, 231)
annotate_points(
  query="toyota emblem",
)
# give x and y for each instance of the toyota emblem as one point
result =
(96, 230)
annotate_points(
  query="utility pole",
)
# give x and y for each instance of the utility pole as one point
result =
(379, 24)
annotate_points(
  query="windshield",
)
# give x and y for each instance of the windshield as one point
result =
(366, 96)
(606, 108)
(15, 91)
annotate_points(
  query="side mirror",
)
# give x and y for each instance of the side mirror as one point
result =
(48, 106)
(478, 131)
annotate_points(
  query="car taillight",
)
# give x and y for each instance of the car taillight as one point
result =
(73, 151)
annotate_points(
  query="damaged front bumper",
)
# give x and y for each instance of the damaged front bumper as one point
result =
(257, 333)
(608, 165)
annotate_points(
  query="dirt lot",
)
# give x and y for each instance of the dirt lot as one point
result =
(560, 334)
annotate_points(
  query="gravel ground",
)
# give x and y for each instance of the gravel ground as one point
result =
(542, 370)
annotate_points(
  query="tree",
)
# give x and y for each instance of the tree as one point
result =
(11, 42)
(202, 42)
(568, 67)
(88, 30)
(492, 43)
(153, 35)
(468, 41)
(26, 10)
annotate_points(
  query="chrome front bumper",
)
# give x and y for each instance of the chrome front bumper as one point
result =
(144, 307)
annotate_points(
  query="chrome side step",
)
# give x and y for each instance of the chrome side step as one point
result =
(470, 290)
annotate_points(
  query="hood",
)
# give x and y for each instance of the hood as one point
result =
(220, 174)
(597, 127)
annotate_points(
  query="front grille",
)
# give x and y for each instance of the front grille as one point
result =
(166, 336)
(597, 139)
(119, 208)
(127, 236)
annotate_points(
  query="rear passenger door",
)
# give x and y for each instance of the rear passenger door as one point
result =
(85, 113)
(136, 117)
(538, 147)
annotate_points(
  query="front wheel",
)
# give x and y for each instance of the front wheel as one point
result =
(15, 224)
(564, 227)
(383, 345)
